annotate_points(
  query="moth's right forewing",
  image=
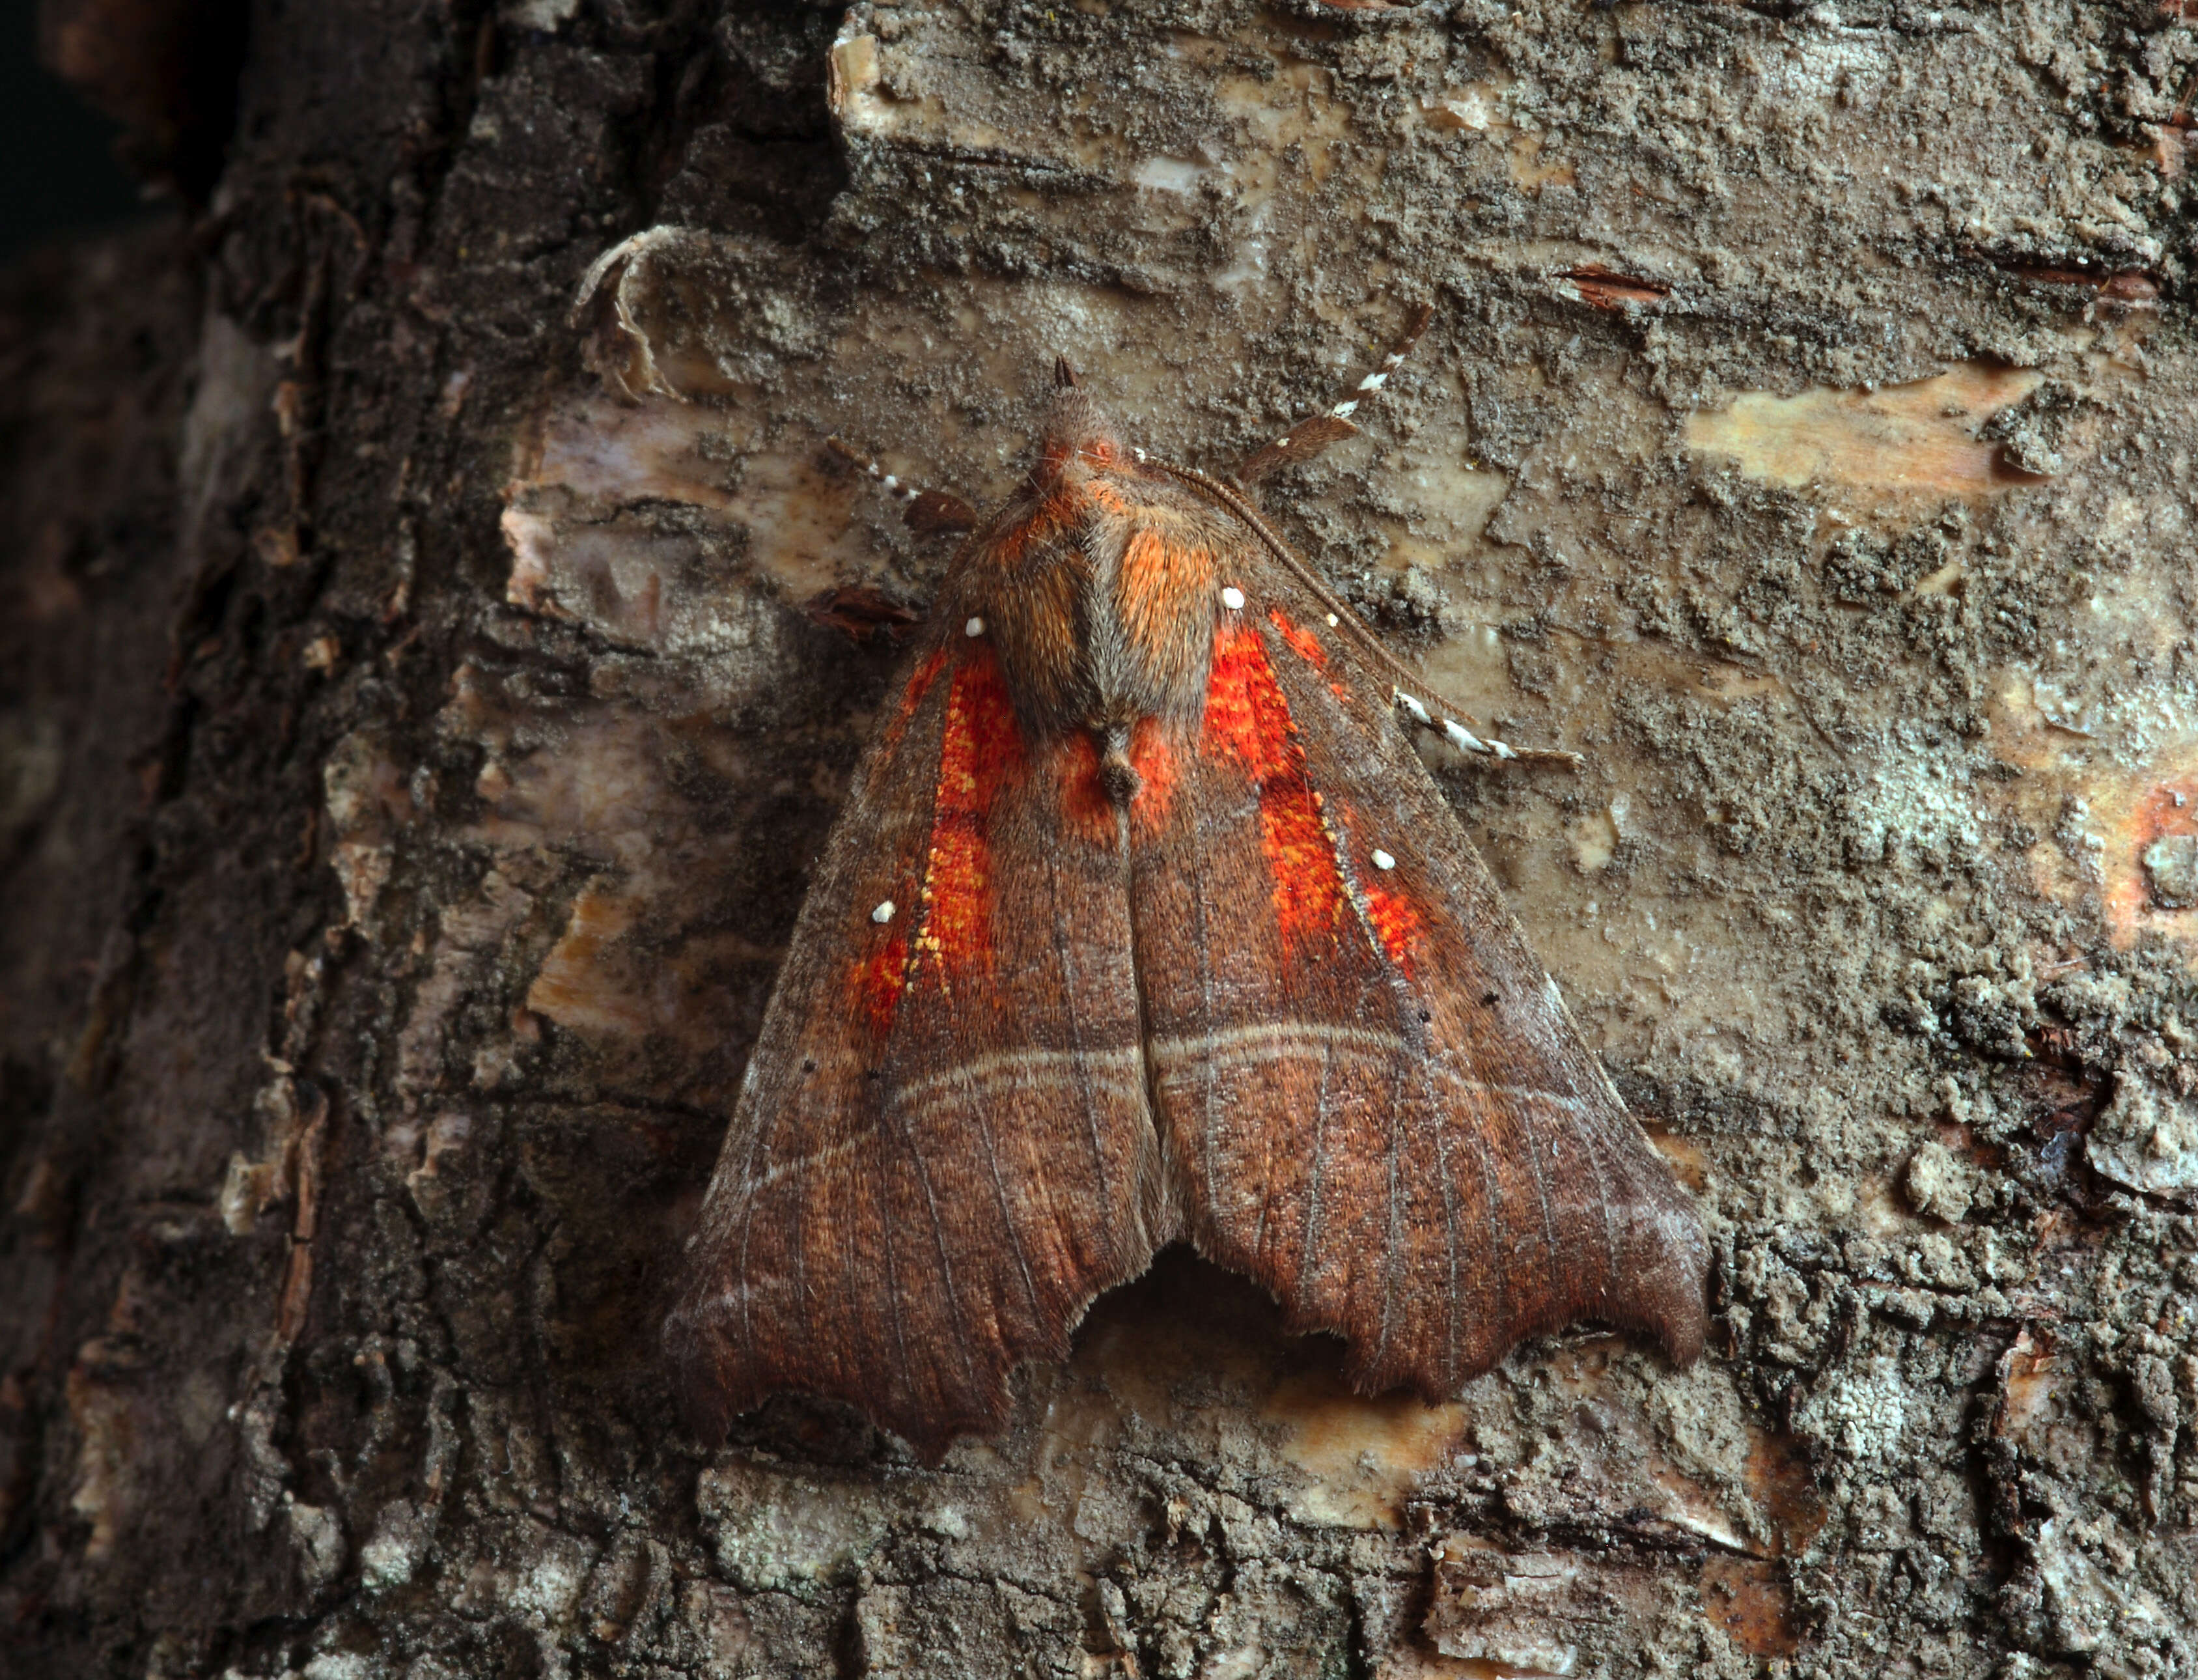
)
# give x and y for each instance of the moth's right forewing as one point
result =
(1380, 1109)
(1588, 1220)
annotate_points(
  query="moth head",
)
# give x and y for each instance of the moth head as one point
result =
(1077, 437)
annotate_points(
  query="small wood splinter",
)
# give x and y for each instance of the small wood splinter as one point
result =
(1144, 923)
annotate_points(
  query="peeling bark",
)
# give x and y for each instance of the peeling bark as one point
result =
(427, 675)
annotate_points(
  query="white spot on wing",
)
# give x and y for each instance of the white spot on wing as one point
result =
(1233, 598)
(1382, 860)
(974, 627)
(884, 912)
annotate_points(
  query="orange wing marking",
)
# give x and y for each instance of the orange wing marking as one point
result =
(877, 980)
(1153, 757)
(1392, 917)
(1396, 921)
(1247, 719)
(1307, 647)
(1084, 800)
(880, 979)
(982, 747)
(919, 687)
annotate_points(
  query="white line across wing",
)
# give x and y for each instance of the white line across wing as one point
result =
(1273, 1041)
(1026, 1070)
(1028, 1067)
(1119, 1073)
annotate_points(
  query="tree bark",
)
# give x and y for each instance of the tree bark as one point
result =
(427, 674)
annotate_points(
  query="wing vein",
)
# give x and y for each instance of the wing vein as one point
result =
(1602, 1201)
(1008, 1214)
(945, 1261)
(1392, 1248)
(1065, 952)
(747, 1233)
(1450, 1230)
(1315, 1169)
(894, 1315)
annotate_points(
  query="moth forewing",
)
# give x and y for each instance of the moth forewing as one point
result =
(942, 1151)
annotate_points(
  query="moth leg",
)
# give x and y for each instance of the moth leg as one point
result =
(924, 511)
(1441, 723)
(1304, 441)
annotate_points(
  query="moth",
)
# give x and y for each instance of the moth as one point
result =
(1145, 922)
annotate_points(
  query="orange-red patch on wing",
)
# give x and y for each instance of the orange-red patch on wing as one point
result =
(1306, 643)
(1153, 757)
(879, 979)
(919, 687)
(926, 674)
(982, 748)
(876, 981)
(1084, 801)
(1396, 921)
(1308, 892)
(1307, 647)
(1247, 719)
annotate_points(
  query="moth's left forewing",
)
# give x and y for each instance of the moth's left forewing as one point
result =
(941, 1150)
(1378, 1104)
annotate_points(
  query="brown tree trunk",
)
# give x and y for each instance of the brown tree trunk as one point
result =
(413, 739)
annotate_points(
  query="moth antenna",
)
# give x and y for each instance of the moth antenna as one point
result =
(1306, 439)
(902, 493)
(1437, 720)
(1371, 387)
(1405, 683)
(923, 511)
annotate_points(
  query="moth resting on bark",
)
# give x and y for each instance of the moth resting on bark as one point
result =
(1143, 922)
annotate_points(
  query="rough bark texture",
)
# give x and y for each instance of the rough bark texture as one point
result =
(412, 743)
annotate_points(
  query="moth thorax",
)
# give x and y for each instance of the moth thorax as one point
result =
(1116, 773)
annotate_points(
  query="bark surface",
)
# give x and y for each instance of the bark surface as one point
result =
(417, 720)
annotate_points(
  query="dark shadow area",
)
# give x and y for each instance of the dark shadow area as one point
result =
(58, 174)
